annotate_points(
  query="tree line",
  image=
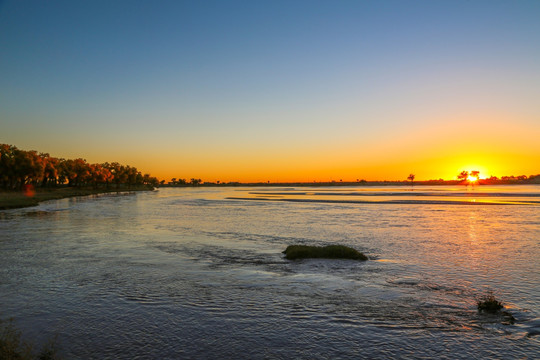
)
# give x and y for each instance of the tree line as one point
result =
(180, 182)
(466, 175)
(20, 167)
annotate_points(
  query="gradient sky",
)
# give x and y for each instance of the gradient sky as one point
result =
(276, 90)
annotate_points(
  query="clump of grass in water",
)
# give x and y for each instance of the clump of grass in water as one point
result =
(12, 347)
(327, 252)
(488, 303)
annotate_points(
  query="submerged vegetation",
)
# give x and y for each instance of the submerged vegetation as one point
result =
(328, 252)
(489, 304)
(12, 347)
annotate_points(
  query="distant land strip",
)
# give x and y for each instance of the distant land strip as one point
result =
(395, 202)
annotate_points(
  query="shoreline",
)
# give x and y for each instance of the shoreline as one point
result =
(18, 199)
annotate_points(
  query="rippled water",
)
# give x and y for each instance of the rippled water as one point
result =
(199, 273)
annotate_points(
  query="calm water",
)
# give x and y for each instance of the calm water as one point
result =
(198, 273)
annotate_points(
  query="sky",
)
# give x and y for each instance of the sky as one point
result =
(276, 90)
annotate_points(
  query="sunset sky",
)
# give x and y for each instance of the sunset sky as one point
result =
(276, 90)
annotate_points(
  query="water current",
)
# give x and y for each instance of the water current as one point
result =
(198, 273)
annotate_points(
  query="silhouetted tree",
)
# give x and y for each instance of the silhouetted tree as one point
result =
(463, 175)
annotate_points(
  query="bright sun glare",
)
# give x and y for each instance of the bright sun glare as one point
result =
(471, 178)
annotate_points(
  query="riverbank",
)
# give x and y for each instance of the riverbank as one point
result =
(20, 199)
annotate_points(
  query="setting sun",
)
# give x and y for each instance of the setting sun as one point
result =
(472, 178)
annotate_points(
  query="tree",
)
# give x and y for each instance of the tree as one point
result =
(119, 173)
(411, 178)
(81, 170)
(463, 175)
(97, 174)
(50, 170)
(7, 166)
(150, 180)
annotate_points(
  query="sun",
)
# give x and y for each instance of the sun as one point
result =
(472, 178)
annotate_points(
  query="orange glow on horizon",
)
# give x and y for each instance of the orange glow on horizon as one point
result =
(391, 159)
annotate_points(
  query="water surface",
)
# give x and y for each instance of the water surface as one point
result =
(199, 273)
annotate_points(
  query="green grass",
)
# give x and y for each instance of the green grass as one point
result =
(294, 252)
(17, 199)
(489, 304)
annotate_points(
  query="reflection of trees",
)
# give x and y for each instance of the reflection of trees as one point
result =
(20, 167)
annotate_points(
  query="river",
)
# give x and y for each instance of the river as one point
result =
(199, 273)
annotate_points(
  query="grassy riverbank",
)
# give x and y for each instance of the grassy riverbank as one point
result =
(18, 199)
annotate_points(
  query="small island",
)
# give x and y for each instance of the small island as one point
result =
(293, 252)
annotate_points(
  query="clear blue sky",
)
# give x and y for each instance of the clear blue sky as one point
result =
(275, 90)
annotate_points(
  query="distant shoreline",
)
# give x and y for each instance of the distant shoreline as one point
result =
(535, 181)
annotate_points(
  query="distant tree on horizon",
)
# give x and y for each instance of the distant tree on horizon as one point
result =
(463, 175)
(411, 178)
(475, 173)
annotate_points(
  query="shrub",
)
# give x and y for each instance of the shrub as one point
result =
(328, 252)
(488, 303)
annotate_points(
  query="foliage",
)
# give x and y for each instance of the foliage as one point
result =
(488, 303)
(19, 168)
(329, 252)
(463, 175)
(12, 347)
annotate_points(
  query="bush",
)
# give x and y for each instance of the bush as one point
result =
(488, 303)
(328, 252)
